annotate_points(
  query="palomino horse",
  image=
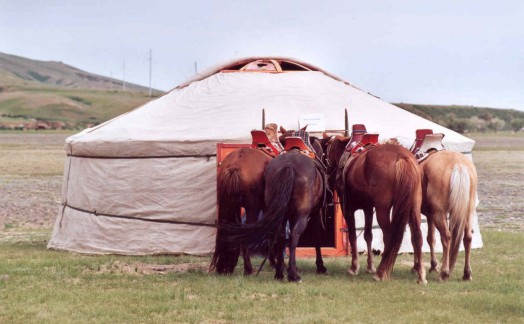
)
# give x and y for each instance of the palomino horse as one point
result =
(294, 191)
(385, 177)
(240, 183)
(449, 185)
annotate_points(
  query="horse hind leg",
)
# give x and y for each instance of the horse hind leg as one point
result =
(384, 222)
(251, 217)
(440, 222)
(431, 242)
(416, 241)
(352, 237)
(418, 251)
(368, 236)
(316, 222)
(279, 246)
(468, 237)
(296, 230)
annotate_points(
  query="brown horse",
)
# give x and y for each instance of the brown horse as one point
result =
(449, 185)
(240, 183)
(294, 191)
(386, 177)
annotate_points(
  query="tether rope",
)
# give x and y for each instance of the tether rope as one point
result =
(139, 218)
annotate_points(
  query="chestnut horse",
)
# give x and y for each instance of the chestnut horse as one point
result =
(385, 177)
(449, 185)
(240, 183)
(294, 192)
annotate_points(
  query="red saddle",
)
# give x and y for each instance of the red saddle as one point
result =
(262, 142)
(420, 134)
(360, 139)
(295, 142)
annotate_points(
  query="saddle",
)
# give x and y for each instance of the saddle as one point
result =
(261, 141)
(300, 141)
(426, 142)
(361, 140)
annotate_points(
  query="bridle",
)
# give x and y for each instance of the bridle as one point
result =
(331, 167)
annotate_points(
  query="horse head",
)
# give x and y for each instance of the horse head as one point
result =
(333, 147)
(287, 133)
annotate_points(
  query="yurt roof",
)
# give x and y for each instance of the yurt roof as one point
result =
(225, 104)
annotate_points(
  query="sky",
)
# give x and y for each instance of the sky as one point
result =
(426, 52)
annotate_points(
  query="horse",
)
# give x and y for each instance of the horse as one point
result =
(385, 177)
(449, 185)
(240, 183)
(313, 145)
(294, 189)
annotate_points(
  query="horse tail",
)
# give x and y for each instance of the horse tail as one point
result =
(407, 186)
(229, 193)
(277, 197)
(459, 203)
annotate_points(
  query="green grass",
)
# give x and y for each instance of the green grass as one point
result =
(51, 286)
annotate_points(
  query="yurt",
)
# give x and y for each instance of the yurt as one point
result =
(145, 182)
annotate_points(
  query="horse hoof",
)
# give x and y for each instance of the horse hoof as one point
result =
(322, 271)
(296, 278)
(434, 266)
(422, 282)
(352, 272)
(467, 278)
(279, 277)
(371, 270)
(376, 277)
(444, 276)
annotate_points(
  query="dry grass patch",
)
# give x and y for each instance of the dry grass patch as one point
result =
(140, 268)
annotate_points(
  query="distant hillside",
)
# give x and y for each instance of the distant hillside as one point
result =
(467, 118)
(20, 71)
(38, 94)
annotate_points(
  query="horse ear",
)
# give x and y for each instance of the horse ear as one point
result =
(303, 128)
(325, 135)
(282, 130)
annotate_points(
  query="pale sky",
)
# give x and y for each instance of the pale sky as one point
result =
(429, 52)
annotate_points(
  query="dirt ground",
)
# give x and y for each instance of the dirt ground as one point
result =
(31, 167)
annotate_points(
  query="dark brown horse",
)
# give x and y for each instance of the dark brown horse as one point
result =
(240, 183)
(385, 178)
(449, 185)
(294, 192)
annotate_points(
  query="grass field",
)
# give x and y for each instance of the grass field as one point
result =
(58, 287)
(42, 286)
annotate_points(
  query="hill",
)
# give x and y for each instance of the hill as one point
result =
(42, 94)
(467, 118)
(20, 71)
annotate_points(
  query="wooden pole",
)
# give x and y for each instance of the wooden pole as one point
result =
(346, 123)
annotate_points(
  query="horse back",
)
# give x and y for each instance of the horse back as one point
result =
(307, 183)
(437, 171)
(373, 174)
(251, 163)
